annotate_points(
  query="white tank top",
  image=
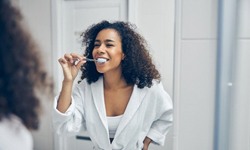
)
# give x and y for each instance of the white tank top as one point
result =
(113, 123)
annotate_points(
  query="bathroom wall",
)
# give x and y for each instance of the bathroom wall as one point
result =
(240, 112)
(195, 74)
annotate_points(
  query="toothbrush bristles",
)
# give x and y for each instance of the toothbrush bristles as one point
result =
(101, 60)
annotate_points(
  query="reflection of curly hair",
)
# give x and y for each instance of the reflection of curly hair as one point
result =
(137, 66)
(21, 71)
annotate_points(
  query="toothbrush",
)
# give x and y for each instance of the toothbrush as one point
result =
(98, 60)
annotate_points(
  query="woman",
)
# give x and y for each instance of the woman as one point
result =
(21, 74)
(120, 100)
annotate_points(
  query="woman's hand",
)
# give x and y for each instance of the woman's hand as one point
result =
(71, 64)
(146, 143)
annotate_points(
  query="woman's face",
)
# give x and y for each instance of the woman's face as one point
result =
(108, 45)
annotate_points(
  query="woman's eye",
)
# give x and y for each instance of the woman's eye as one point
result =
(96, 45)
(109, 45)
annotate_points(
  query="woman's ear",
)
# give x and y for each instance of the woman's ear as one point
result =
(123, 56)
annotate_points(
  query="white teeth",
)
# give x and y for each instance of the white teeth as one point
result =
(101, 60)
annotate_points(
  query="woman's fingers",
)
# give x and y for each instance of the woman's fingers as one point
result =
(62, 61)
(80, 63)
(69, 58)
(71, 63)
(76, 56)
(73, 58)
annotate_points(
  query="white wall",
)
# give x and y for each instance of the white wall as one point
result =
(156, 23)
(195, 73)
(194, 78)
(240, 118)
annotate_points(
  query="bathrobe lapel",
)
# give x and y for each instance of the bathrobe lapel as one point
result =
(98, 98)
(134, 103)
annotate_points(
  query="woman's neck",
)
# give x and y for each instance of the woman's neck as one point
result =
(114, 81)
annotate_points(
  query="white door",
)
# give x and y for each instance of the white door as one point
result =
(71, 18)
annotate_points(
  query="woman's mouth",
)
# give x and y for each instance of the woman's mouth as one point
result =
(101, 60)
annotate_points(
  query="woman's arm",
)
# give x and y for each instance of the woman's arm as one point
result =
(164, 117)
(146, 143)
(70, 70)
(64, 99)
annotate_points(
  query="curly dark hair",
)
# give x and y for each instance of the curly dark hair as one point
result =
(21, 71)
(137, 66)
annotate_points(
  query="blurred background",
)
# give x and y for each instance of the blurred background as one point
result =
(201, 47)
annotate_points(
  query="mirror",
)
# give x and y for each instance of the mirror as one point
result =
(186, 41)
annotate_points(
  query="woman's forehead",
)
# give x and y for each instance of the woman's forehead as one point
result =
(108, 34)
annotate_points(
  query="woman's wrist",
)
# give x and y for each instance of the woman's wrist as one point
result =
(146, 143)
(67, 81)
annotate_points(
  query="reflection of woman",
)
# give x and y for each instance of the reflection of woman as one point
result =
(21, 73)
(120, 102)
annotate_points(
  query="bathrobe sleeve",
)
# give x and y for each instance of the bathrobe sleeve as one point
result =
(164, 117)
(72, 121)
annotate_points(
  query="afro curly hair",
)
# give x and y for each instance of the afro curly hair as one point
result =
(137, 66)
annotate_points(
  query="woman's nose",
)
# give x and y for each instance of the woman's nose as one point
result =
(101, 49)
(100, 52)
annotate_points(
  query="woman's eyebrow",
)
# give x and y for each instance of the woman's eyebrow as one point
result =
(107, 40)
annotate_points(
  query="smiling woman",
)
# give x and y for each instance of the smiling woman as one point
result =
(121, 102)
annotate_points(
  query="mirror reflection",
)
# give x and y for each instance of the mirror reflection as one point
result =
(199, 49)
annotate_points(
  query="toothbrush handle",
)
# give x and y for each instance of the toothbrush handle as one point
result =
(88, 59)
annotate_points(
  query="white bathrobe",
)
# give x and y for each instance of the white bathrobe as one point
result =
(14, 135)
(148, 113)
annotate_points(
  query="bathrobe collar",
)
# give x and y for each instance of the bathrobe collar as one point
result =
(134, 103)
